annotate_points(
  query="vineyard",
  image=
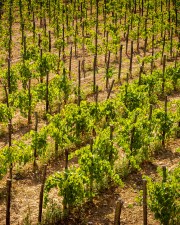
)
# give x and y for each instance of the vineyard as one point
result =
(90, 112)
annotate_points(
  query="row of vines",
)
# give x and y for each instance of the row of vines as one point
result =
(126, 49)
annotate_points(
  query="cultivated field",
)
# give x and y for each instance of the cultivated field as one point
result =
(89, 112)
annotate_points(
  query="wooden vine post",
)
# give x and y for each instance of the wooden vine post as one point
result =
(34, 27)
(41, 67)
(140, 73)
(1, 10)
(10, 144)
(97, 23)
(66, 159)
(135, 4)
(120, 63)
(164, 173)
(24, 49)
(117, 219)
(133, 130)
(63, 46)
(142, 7)
(41, 13)
(107, 70)
(8, 201)
(153, 38)
(138, 34)
(127, 40)
(91, 174)
(39, 40)
(49, 37)
(94, 75)
(96, 95)
(42, 193)
(9, 49)
(106, 46)
(144, 202)
(104, 15)
(176, 17)
(163, 78)
(35, 150)
(131, 59)
(75, 41)
(21, 21)
(9, 76)
(79, 84)
(178, 130)
(171, 43)
(126, 92)
(30, 100)
(96, 101)
(47, 91)
(163, 47)
(165, 120)
(70, 63)
(110, 89)
(65, 204)
(146, 37)
(83, 49)
(78, 98)
(150, 111)
(10, 29)
(111, 142)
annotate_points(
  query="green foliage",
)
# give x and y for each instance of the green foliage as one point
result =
(58, 130)
(164, 122)
(23, 153)
(133, 97)
(95, 171)
(39, 92)
(53, 214)
(31, 52)
(164, 198)
(5, 113)
(46, 63)
(25, 70)
(13, 77)
(3, 162)
(39, 140)
(21, 100)
(135, 135)
(174, 75)
(70, 184)
(60, 88)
